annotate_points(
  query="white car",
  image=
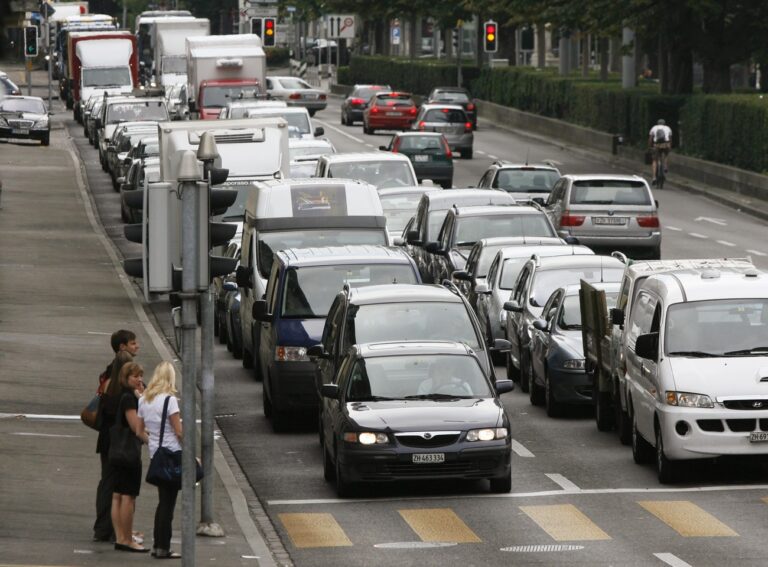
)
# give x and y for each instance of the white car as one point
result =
(305, 153)
(382, 169)
(297, 92)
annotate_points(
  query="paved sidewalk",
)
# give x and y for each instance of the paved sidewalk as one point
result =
(62, 294)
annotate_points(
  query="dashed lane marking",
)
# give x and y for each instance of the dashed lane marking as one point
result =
(481, 152)
(673, 228)
(493, 156)
(438, 525)
(342, 132)
(520, 450)
(725, 243)
(757, 253)
(26, 434)
(687, 519)
(565, 522)
(314, 530)
(563, 482)
(697, 235)
(671, 559)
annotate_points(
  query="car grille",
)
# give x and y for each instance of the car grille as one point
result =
(20, 123)
(468, 468)
(734, 425)
(427, 439)
(746, 404)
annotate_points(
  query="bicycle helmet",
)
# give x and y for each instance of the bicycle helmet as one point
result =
(661, 122)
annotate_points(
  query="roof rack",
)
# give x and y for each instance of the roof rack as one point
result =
(536, 259)
(448, 284)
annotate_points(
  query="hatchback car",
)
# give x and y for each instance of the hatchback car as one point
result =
(354, 105)
(297, 92)
(452, 122)
(525, 182)
(615, 212)
(299, 123)
(455, 95)
(381, 169)
(389, 111)
(429, 153)
(24, 117)
(414, 410)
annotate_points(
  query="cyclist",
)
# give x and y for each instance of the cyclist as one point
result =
(660, 139)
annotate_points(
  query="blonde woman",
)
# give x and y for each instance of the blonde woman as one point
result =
(162, 387)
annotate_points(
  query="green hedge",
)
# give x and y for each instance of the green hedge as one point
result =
(344, 76)
(417, 77)
(277, 56)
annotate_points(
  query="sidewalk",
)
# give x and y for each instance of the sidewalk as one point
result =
(62, 293)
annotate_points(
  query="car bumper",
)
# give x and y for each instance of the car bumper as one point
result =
(23, 133)
(292, 386)
(388, 465)
(461, 142)
(390, 123)
(651, 241)
(355, 114)
(571, 386)
(309, 104)
(700, 441)
(442, 172)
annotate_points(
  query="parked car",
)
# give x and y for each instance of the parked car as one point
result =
(356, 102)
(7, 86)
(525, 182)
(24, 117)
(381, 169)
(297, 92)
(559, 376)
(430, 412)
(607, 212)
(389, 111)
(399, 205)
(455, 95)
(429, 154)
(452, 122)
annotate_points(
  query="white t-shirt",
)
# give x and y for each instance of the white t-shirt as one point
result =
(661, 133)
(152, 413)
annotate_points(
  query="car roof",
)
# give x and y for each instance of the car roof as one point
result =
(415, 190)
(309, 143)
(583, 260)
(490, 210)
(520, 241)
(289, 183)
(709, 284)
(340, 255)
(406, 348)
(603, 177)
(418, 134)
(637, 267)
(546, 250)
(22, 97)
(451, 89)
(364, 156)
(401, 293)
(256, 109)
(443, 196)
(530, 166)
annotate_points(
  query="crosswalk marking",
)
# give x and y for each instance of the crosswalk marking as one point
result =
(439, 525)
(314, 530)
(565, 522)
(671, 560)
(687, 519)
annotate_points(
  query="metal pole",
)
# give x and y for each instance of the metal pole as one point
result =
(628, 72)
(459, 50)
(50, 59)
(29, 76)
(328, 43)
(190, 202)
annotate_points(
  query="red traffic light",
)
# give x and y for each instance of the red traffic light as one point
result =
(490, 28)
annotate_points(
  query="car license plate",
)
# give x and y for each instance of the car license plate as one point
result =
(427, 458)
(20, 131)
(609, 220)
(420, 158)
(310, 96)
(394, 114)
(758, 437)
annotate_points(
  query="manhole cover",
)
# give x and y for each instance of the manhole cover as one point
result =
(541, 548)
(414, 544)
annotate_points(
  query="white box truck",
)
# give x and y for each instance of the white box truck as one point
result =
(169, 37)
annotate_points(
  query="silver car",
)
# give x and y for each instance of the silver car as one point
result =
(305, 153)
(451, 121)
(297, 92)
(525, 182)
(176, 100)
(607, 212)
(239, 108)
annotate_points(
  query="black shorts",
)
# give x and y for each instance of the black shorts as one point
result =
(127, 480)
(661, 149)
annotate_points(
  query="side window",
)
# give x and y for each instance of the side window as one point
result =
(621, 303)
(491, 279)
(341, 371)
(269, 84)
(484, 180)
(472, 259)
(441, 234)
(331, 329)
(656, 319)
(521, 284)
(557, 192)
(551, 305)
(272, 287)
(357, 386)
(447, 232)
(642, 316)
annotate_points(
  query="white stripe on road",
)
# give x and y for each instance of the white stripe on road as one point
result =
(39, 416)
(493, 156)
(563, 482)
(673, 228)
(757, 253)
(671, 559)
(342, 132)
(697, 235)
(481, 152)
(521, 451)
(725, 243)
(26, 434)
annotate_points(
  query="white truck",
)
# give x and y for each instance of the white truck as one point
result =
(169, 37)
(222, 67)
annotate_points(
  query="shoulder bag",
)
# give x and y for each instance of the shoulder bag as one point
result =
(165, 465)
(124, 446)
(91, 414)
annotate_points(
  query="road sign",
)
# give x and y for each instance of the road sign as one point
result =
(341, 26)
(396, 36)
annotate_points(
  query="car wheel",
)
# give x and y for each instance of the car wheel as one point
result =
(343, 119)
(535, 392)
(501, 485)
(655, 253)
(523, 375)
(642, 452)
(46, 140)
(554, 408)
(668, 471)
(223, 332)
(280, 420)
(266, 404)
(605, 417)
(247, 358)
(466, 154)
(512, 373)
(124, 214)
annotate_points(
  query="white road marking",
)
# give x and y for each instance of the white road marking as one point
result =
(563, 482)
(26, 434)
(540, 494)
(725, 243)
(342, 132)
(757, 253)
(671, 559)
(98, 333)
(493, 156)
(697, 235)
(39, 416)
(521, 451)
(673, 228)
(720, 222)
(481, 152)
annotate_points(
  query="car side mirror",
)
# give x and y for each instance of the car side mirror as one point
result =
(398, 241)
(433, 248)
(541, 325)
(538, 200)
(384, 148)
(572, 240)
(504, 386)
(243, 277)
(617, 316)
(647, 346)
(482, 289)
(513, 306)
(462, 275)
(229, 286)
(259, 311)
(330, 391)
(500, 345)
(317, 351)
(412, 237)
(319, 131)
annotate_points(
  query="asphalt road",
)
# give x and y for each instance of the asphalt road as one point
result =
(577, 496)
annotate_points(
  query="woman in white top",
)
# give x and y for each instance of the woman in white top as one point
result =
(162, 387)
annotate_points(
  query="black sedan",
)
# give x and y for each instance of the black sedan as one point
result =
(414, 410)
(24, 117)
(356, 102)
(429, 153)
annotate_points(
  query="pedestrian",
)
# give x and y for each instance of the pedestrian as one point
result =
(120, 341)
(162, 386)
(128, 478)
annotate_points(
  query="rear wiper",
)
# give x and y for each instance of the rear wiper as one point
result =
(437, 397)
(695, 354)
(747, 351)
(372, 399)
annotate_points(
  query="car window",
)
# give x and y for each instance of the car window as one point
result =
(365, 92)
(292, 83)
(382, 174)
(492, 271)
(331, 328)
(570, 314)
(32, 105)
(394, 100)
(435, 221)
(487, 254)
(610, 192)
(546, 281)
(472, 229)
(624, 294)
(449, 96)
(425, 144)
(538, 180)
(271, 292)
(642, 313)
(399, 209)
(445, 115)
(520, 284)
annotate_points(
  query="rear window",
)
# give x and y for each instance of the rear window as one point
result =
(382, 174)
(366, 92)
(610, 192)
(426, 144)
(394, 100)
(528, 180)
(447, 115)
(451, 96)
(472, 229)
(547, 281)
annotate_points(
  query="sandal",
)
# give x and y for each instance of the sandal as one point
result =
(163, 554)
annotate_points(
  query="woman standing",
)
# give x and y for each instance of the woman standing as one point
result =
(128, 478)
(162, 387)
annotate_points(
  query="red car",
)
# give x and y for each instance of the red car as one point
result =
(389, 111)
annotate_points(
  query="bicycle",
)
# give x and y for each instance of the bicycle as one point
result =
(660, 172)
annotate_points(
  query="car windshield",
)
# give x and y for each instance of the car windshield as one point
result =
(424, 144)
(22, 105)
(297, 120)
(547, 281)
(382, 174)
(308, 292)
(176, 65)
(417, 376)
(721, 327)
(450, 96)
(570, 314)
(271, 242)
(137, 111)
(445, 115)
(471, 229)
(107, 77)
(528, 180)
(218, 97)
(399, 209)
(610, 192)
(151, 150)
(302, 169)
(296, 84)
(411, 321)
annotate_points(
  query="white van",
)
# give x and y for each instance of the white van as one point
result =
(696, 355)
(299, 213)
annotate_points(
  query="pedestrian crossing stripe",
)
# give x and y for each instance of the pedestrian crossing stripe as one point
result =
(565, 522)
(439, 525)
(687, 519)
(314, 530)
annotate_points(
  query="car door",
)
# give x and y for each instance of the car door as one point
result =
(333, 409)
(268, 336)
(515, 319)
(330, 340)
(638, 377)
(540, 339)
(554, 206)
(483, 301)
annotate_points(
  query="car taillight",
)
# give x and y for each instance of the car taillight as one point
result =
(470, 106)
(321, 97)
(412, 111)
(467, 126)
(648, 222)
(355, 101)
(294, 96)
(448, 153)
(571, 220)
(374, 110)
(421, 125)
(395, 146)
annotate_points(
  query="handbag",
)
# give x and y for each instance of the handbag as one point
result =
(165, 465)
(124, 446)
(91, 416)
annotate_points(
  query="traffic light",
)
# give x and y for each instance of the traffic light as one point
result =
(215, 234)
(455, 38)
(490, 37)
(268, 39)
(30, 41)
(256, 26)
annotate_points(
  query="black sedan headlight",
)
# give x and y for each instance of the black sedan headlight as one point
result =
(366, 438)
(487, 434)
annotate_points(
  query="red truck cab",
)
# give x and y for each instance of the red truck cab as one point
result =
(215, 94)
